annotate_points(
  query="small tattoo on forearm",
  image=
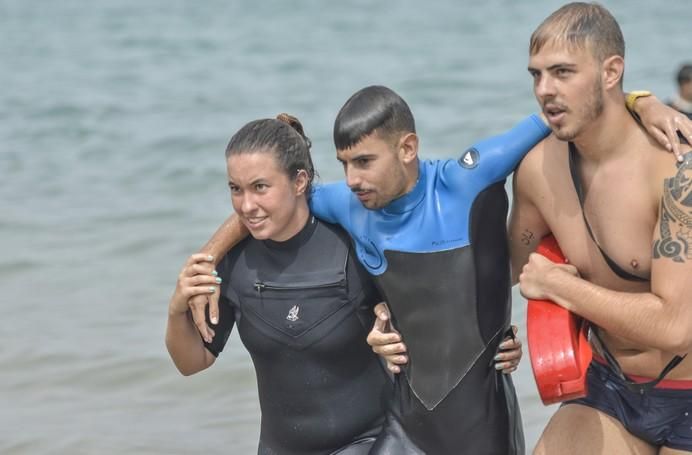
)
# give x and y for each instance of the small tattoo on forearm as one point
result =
(526, 237)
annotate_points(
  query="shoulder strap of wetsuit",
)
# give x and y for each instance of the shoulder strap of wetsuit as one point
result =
(576, 179)
(638, 387)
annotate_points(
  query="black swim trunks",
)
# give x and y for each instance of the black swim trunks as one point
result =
(661, 416)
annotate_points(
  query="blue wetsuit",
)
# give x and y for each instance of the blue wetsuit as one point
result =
(440, 257)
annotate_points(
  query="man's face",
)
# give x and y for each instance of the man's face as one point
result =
(567, 84)
(375, 171)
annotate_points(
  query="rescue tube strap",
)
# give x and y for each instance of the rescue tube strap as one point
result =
(576, 179)
(636, 387)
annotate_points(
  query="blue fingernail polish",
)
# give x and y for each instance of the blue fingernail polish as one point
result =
(210, 258)
(215, 273)
(498, 366)
(212, 289)
(497, 357)
(218, 280)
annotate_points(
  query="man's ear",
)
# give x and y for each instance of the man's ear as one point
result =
(613, 69)
(301, 182)
(408, 147)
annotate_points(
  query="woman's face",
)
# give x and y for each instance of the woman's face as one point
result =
(268, 202)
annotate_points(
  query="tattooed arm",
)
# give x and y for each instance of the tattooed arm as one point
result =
(526, 224)
(671, 277)
(662, 318)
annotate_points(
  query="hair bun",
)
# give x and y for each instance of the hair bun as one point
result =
(294, 123)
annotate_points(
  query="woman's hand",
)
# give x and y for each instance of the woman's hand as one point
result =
(197, 278)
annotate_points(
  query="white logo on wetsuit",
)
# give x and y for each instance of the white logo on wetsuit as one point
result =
(293, 313)
(470, 159)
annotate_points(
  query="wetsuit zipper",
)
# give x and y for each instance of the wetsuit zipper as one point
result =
(262, 286)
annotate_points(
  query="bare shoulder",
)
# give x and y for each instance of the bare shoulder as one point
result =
(666, 167)
(542, 160)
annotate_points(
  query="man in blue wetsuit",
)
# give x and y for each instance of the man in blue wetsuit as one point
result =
(413, 223)
(433, 235)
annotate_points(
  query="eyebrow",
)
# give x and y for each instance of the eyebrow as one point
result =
(363, 156)
(554, 67)
(254, 182)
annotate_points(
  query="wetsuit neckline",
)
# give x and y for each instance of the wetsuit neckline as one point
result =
(410, 200)
(297, 240)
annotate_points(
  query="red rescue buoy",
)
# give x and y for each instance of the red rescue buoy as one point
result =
(558, 346)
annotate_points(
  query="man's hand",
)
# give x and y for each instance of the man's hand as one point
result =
(663, 123)
(536, 273)
(509, 354)
(197, 281)
(386, 341)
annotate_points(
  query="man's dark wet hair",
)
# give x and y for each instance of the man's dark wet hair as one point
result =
(685, 74)
(374, 109)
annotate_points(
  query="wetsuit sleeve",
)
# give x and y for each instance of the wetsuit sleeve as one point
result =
(226, 313)
(496, 157)
(330, 202)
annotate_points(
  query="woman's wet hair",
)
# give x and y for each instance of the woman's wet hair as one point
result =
(283, 137)
(374, 109)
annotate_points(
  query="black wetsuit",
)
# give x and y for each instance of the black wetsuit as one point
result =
(440, 257)
(303, 308)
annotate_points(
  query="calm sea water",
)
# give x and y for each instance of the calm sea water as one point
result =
(113, 121)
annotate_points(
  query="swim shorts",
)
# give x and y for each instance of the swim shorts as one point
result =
(661, 416)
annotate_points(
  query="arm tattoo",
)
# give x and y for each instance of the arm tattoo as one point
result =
(526, 237)
(676, 213)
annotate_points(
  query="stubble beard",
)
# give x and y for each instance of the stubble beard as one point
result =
(592, 109)
(384, 197)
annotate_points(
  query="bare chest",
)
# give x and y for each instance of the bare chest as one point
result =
(621, 213)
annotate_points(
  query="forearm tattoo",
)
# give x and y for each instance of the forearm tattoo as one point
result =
(676, 215)
(526, 237)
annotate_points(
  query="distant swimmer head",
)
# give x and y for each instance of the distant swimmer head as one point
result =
(684, 78)
(576, 59)
(270, 173)
(376, 141)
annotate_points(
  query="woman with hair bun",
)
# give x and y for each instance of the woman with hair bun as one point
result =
(300, 300)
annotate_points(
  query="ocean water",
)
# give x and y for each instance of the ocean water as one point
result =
(113, 121)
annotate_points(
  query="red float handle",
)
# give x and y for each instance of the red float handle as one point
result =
(558, 345)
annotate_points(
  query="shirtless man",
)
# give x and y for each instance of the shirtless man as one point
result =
(638, 204)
